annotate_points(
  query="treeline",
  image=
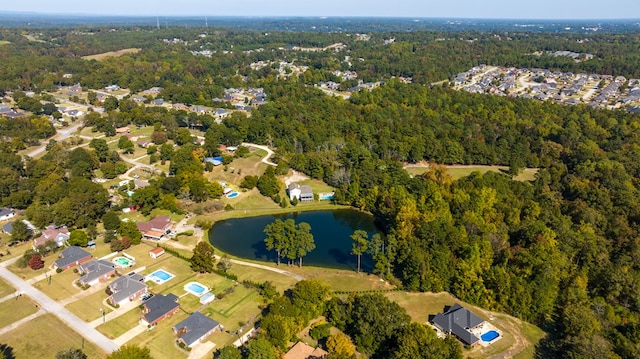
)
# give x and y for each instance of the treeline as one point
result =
(559, 252)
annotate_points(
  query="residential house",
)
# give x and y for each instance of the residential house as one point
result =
(60, 235)
(198, 109)
(195, 329)
(139, 99)
(8, 227)
(6, 213)
(302, 193)
(112, 88)
(159, 307)
(156, 252)
(144, 143)
(122, 130)
(304, 351)
(129, 287)
(180, 106)
(71, 257)
(155, 228)
(460, 322)
(157, 102)
(221, 113)
(95, 271)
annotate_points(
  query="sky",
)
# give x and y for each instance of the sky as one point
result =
(495, 9)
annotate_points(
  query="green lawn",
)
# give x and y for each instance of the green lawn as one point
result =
(235, 309)
(161, 341)
(16, 309)
(281, 281)
(61, 285)
(528, 174)
(317, 185)
(5, 288)
(120, 325)
(88, 308)
(46, 335)
(4, 42)
(420, 305)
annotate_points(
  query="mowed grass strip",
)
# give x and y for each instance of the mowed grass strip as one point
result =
(15, 309)
(120, 325)
(236, 308)
(280, 281)
(88, 308)
(5, 288)
(46, 335)
(61, 286)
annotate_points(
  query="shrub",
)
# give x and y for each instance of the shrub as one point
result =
(36, 262)
(58, 270)
(321, 331)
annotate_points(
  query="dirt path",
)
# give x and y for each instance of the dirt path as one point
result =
(295, 177)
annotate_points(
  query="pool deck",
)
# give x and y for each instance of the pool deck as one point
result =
(484, 328)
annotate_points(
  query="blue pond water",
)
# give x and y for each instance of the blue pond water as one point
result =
(244, 237)
(489, 336)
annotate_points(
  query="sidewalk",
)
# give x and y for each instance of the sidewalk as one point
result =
(14, 325)
(132, 333)
(116, 313)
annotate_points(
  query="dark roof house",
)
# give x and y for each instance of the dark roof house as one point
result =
(71, 257)
(458, 321)
(159, 307)
(128, 287)
(96, 271)
(196, 328)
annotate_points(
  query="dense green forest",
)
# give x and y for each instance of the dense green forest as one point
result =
(562, 252)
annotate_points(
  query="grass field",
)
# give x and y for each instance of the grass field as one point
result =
(120, 325)
(517, 337)
(61, 285)
(46, 335)
(456, 172)
(235, 309)
(16, 309)
(88, 308)
(281, 281)
(100, 57)
(5, 288)
(4, 42)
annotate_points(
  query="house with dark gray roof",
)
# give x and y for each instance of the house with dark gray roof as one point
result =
(460, 322)
(71, 257)
(302, 193)
(129, 287)
(96, 271)
(195, 329)
(159, 307)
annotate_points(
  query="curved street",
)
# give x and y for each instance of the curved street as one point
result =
(49, 305)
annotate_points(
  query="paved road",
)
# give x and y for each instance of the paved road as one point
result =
(48, 305)
(269, 152)
(60, 136)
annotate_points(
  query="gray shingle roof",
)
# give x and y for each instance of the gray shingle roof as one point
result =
(126, 286)
(457, 321)
(71, 255)
(95, 269)
(159, 305)
(197, 325)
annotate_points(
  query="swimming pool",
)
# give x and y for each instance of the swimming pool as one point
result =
(489, 336)
(233, 195)
(123, 262)
(160, 276)
(196, 288)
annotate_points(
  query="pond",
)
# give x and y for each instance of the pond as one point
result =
(244, 237)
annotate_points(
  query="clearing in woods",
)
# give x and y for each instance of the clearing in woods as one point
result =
(100, 57)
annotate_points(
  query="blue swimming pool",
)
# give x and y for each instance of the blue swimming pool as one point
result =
(489, 336)
(196, 288)
(233, 195)
(160, 276)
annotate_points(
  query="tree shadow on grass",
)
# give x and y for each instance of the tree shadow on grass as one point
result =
(7, 351)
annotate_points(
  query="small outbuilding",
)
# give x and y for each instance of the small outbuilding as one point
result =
(156, 252)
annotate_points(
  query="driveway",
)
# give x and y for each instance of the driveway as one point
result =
(49, 305)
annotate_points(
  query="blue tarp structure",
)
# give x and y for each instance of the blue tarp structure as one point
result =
(216, 161)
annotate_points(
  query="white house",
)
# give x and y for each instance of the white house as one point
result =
(6, 213)
(302, 193)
